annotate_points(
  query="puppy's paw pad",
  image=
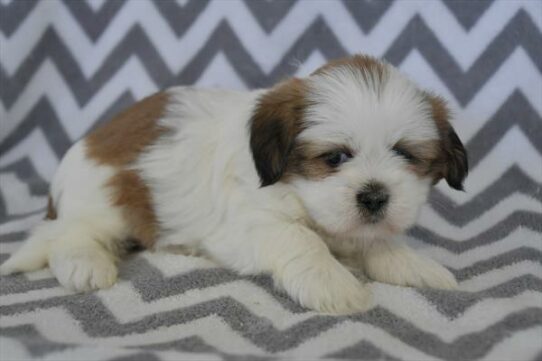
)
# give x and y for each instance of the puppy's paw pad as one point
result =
(84, 272)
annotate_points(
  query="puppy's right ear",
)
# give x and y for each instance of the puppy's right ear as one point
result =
(274, 126)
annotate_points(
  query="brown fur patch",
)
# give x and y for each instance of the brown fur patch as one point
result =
(424, 154)
(51, 210)
(369, 66)
(309, 160)
(452, 162)
(274, 126)
(132, 195)
(118, 143)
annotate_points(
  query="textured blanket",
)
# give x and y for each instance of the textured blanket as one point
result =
(66, 65)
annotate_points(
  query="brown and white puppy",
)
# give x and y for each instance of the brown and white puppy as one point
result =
(271, 181)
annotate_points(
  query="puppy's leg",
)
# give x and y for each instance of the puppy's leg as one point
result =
(32, 255)
(84, 255)
(81, 253)
(390, 262)
(300, 264)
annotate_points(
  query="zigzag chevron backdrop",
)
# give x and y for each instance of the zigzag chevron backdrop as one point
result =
(67, 65)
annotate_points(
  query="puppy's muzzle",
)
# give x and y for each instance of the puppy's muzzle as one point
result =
(372, 200)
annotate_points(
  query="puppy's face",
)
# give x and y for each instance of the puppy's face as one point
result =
(359, 143)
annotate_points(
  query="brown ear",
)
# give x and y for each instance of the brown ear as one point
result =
(274, 126)
(452, 163)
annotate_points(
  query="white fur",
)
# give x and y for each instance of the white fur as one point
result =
(207, 196)
(80, 245)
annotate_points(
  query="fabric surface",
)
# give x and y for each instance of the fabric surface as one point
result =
(66, 65)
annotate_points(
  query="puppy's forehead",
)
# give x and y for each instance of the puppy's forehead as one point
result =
(366, 101)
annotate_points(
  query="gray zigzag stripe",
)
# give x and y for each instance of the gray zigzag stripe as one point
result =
(516, 106)
(23, 169)
(94, 23)
(261, 332)
(34, 342)
(12, 237)
(454, 303)
(180, 18)
(363, 350)
(13, 14)
(468, 12)
(43, 117)
(39, 346)
(15, 217)
(142, 356)
(136, 43)
(520, 31)
(514, 180)
(367, 13)
(269, 14)
(502, 260)
(530, 220)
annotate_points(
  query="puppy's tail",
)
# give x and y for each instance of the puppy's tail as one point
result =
(33, 253)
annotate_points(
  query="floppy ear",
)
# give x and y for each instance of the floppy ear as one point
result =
(274, 126)
(453, 163)
(457, 164)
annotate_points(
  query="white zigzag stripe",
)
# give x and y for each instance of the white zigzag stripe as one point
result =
(254, 298)
(498, 88)
(522, 340)
(449, 32)
(36, 147)
(349, 333)
(410, 305)
(109, 353)
(512, 149)
(487, 101)
(34, 295)
(220, 74)
(211, 329)
(17, 196)
(49, 84)
(498, 276)
(20, 225)
(13, 350)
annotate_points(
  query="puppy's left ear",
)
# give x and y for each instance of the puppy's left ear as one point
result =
(453, 162)
(274, 126)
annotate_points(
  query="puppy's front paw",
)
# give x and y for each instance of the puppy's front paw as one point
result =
(84, 269)
(328, 287)
(403, 267)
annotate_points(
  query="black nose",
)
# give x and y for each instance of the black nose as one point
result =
(373, 197)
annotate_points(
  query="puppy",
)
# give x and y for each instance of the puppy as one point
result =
(285, 181)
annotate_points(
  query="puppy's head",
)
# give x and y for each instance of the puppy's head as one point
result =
(360, 144)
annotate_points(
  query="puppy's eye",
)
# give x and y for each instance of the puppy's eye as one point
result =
(337, 158)
(404, 153)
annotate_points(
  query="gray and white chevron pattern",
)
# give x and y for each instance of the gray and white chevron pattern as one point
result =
(67, 65)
